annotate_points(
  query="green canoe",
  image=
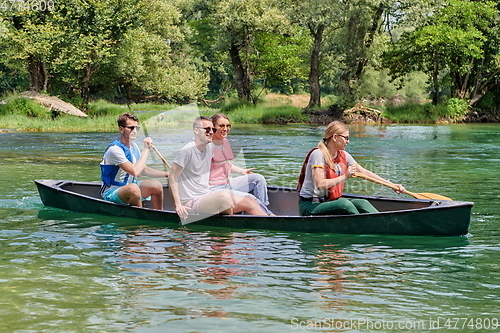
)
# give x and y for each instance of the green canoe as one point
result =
(396, 216)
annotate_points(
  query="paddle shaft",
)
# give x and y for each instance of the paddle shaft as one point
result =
(156, 150)
(161, 157)
(394, 187)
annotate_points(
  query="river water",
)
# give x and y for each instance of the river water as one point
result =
(70, 272)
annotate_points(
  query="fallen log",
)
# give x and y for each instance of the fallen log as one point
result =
(364, 112)
(53, 103)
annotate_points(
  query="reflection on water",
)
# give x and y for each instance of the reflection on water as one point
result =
(69, 272)
(109, 274)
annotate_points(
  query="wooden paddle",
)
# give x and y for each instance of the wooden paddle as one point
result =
(427, 196)
(161, 157)
(156, 150)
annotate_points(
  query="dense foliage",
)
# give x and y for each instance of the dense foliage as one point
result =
(182, 50)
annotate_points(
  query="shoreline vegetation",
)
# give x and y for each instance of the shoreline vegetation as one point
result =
(25, 115)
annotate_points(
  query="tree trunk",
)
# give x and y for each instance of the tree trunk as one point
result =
(460, 84)
(435, 83)
(365, 39)
(314, 86)
(354, 58)
(85, 85)
(474, 87)
(360, 37)
(128, 91)
(481, 89)
(241, 77)
(38, 76)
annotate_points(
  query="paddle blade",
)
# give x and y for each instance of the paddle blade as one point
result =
(430, 196)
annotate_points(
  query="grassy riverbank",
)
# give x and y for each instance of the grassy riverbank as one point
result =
(27, 115)
(21, 114)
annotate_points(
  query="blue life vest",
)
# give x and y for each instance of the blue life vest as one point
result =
(109, 171)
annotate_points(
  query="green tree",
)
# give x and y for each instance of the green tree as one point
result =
(320, 18)
(68, 42)
(476, 76)
(154, 58)
(146, 63)
(81, 46)
(453, 41)
(278, 58)
(29, 40)
(357, 41)
(238, 23)
(93, 30)
(346, 36)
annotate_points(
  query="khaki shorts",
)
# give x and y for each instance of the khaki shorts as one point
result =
(194, 204)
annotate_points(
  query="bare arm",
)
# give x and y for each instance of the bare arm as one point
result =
(154, 173)
(139, 166)
(237, 169)
(369, 173)
(323, 183)
(175, 173)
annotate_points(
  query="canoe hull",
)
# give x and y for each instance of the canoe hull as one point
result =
(397, 216)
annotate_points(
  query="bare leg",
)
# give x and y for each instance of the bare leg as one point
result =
(153, 188)
(247, 204)
(130, 194)
(216, 203)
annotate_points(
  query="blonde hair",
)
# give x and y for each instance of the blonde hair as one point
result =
(335, 127)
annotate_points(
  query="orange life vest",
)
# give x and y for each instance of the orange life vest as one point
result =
(334, 192)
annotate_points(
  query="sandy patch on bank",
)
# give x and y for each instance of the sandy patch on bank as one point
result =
(299, 101)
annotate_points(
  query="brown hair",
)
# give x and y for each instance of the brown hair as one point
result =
(122, 119)
(335, 127)
(217, 116)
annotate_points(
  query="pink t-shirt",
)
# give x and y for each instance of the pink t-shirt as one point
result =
(221, 164)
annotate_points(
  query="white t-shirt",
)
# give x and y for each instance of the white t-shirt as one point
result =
(308, 189)
(115, 156)
(195, 175)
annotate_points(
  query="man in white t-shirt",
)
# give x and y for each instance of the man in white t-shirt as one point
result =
(189, 179)
(123, 162)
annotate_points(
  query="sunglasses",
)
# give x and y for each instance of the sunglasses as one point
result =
(133, 128)
(345, 137)
(208, 129)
